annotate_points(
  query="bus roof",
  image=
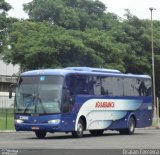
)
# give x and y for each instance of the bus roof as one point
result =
(82, 70)
(89, 69)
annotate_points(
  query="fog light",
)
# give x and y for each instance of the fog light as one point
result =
(19, 121)
(54, 121)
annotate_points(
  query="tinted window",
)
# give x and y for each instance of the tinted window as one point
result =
(130, 87)
(107, 86)
(144, 88)
(90, 84)
(97, 85)
(148, 85)
(81, 84)
(137, 87)
(110, 86)
(117, 86)
(84, 84)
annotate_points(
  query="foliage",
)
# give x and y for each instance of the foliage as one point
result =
(4, 7)
(70, 14)
(4, 21)
(61, 33)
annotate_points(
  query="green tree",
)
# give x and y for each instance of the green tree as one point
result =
(4, 7)
(134, 34)
(49, 46)
(70, 14)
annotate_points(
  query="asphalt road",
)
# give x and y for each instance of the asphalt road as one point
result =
(142, 139)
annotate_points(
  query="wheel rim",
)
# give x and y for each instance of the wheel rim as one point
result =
(132, 125)
(79, 129)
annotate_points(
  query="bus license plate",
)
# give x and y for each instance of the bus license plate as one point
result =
(35, 128)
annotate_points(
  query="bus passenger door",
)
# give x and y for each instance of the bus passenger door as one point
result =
(68, 103)
(68, 115)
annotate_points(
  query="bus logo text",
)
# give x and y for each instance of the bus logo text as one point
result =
(105, 105)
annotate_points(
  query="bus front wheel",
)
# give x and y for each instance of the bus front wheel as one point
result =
(79, 132)
(131, 127)
(40, 134)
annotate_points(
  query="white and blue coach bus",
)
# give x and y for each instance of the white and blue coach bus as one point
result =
(76, 99)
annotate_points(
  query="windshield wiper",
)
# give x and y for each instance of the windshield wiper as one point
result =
(35, 100)
(30, 102)
(40, 101)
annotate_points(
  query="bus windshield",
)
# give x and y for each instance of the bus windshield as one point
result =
(38, 94)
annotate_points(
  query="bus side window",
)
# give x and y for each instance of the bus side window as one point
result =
(148, 86)
(90, 84)
(81, 85)
(137, 87)
(130, 87)
(106, 86)
(145, 88)
(97, 85)
(117, 86)
(142, 88)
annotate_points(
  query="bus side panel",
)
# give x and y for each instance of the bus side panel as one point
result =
(140, 107)
(143, 117)
(119, 124)
(144, 113)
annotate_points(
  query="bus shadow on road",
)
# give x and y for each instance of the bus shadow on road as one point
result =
(86, 135)
(108, 133)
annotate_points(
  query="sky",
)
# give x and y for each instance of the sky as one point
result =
(139, 8)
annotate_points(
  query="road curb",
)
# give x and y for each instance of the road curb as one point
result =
(149, 128)
(7, 131)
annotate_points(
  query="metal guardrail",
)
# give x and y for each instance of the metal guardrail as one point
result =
(5, 101)
(6, 113)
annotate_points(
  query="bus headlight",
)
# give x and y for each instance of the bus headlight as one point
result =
(54, 121)
(19, 121)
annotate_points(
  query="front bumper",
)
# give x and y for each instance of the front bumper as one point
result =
(38, 127)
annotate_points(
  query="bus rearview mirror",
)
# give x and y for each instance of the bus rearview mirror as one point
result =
(11, 90)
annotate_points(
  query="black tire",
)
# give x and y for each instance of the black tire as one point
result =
(122, 131)
(96, 132)
(131, 127)
(40, 134)
(80, 129)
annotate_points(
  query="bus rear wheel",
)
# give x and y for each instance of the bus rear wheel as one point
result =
(96, 132)
(40, 134)
(80, 128)
(131, 127)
